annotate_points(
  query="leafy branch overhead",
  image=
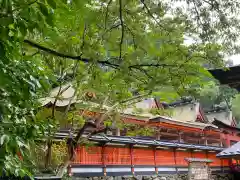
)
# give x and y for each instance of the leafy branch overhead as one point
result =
(116, 49)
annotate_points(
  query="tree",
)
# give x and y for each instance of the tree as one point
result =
(212, 95)
(235, 107)
(113, 48)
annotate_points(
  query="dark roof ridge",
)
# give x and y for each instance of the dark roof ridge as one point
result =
(217, 122)
(214, 110)
(180, 102)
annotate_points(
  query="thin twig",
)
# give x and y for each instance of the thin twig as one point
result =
(133, 36)
(110, 29)
(122, 30)
(152, 16)
(106, 14)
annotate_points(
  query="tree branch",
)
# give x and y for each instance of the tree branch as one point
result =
(111, 28)
(106, 14)
(122, 30)
(152, 65)
(104, 63)
(152, 16)
(62, 55)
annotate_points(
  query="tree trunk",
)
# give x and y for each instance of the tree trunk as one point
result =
(49, 154)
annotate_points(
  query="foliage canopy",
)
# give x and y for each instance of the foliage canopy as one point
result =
(116, 48)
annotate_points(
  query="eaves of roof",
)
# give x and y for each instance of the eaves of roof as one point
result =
(183, 123)
(219, 123)
(143, 141)
(233, 151)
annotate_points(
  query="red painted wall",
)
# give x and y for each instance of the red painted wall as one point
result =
(140, 156)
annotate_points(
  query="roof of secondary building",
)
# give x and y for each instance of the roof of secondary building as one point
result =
(230, 76)
(221, 124)
(183, 123)
(179, 102)
(233, 151)
(68, 93)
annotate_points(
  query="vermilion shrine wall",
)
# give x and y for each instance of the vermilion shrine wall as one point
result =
(110, 155)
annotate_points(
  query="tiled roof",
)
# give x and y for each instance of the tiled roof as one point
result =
(180, 102)
(183, 123)
(232, 151)
(222, 124)
(143, 141)
(230, 76)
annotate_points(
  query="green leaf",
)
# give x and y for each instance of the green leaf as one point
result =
(11, 33)
(49, 19)
(4, 139)
(43, 8)
(11, 26)
(52, 3)
(22, 28)
(5, 21)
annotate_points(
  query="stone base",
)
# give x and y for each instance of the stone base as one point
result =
(155, 177)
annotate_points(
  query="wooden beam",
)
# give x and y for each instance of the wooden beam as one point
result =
(168, 134)
(118, 132)
(197, 139)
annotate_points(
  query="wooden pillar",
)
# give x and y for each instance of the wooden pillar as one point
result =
(118, 132)
(103, 160)
(158, 134)
(69, 170)
(175, 159)
(131, 155)
(222, 166)
(180, 136)
(205, 141)
(204, 137)
(155, 159)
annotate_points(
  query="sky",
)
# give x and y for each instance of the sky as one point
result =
(235, 59)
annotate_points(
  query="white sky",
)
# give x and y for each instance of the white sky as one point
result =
(235, 59)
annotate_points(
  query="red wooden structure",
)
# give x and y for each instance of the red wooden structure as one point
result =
(115, 158)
